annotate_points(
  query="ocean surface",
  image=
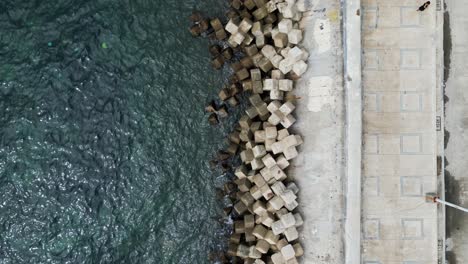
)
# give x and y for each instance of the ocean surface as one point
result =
(104, 141)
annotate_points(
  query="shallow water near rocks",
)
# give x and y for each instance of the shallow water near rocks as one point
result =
(104, 142)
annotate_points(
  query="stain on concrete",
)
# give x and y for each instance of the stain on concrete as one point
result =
(447, 45)
(452, 194)
(446, 139)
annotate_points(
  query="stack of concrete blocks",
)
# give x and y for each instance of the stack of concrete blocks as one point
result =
(266, 222)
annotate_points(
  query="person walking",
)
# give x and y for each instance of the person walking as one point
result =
(424, 6)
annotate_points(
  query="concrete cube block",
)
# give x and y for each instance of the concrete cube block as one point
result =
(248, 40)
(241, 171)
(291, 206)
(243, 251)
(291, 234)
(247, 156)
(257, 29)
(269, 161)
(289, 11)
(281, 212)
(266, 219)
(245, 25)
(260, 13)
(288, 219)
(285, 85)
(271, 6)
(299, 220)
(278, 227)
(262, 246)
(259, 207)
(243, 184)
(267, 193)
(235, 238)
(265, 64)
(263, 110)
(249, 237)
(268, 51)
(260, 136)
(282, 162)
(270, 84)
(254, 253)
(277, 258)
(285, 25)
(278, 188)
(267, 29)
(275, 61)
(216, 24)
(293, 187)
(274, 204)
(255, 99)
(255, 126)
(277, 74)
(257, 87)
(239, 227)
(238, 37)
(290, 153)
(256, 75)
(299, 140)
(231, 27)
(245, 122)
(285, 66)
(265, 172)
(247, 199)
(288, 121)
(288, 196)
(295, 36)
(278, 173)
(271, 238)
(249, 221)
(280, 40)
(299, 68)
(287, 108)
(240, 208)
(245, 135)
(255, 192)
(274, 119)
(256, 58)
(260, 41)
(257, 164)
(277, 147)
(268, 143)
(281, 243)
(274, 106)
(251, 50)
(298, 250)
(259, 151)
(259, 231)
(284, 52)
(276, 94)
(288, 252)
(258, 180)
(271, 132)
(251, 112)
(295, 54)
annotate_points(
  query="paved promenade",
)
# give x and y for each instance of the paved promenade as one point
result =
(399, 133)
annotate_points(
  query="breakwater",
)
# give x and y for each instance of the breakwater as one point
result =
(260, 40)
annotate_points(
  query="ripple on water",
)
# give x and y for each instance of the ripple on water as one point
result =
(104, 141)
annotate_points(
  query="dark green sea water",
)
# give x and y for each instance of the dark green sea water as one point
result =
(104, 142)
